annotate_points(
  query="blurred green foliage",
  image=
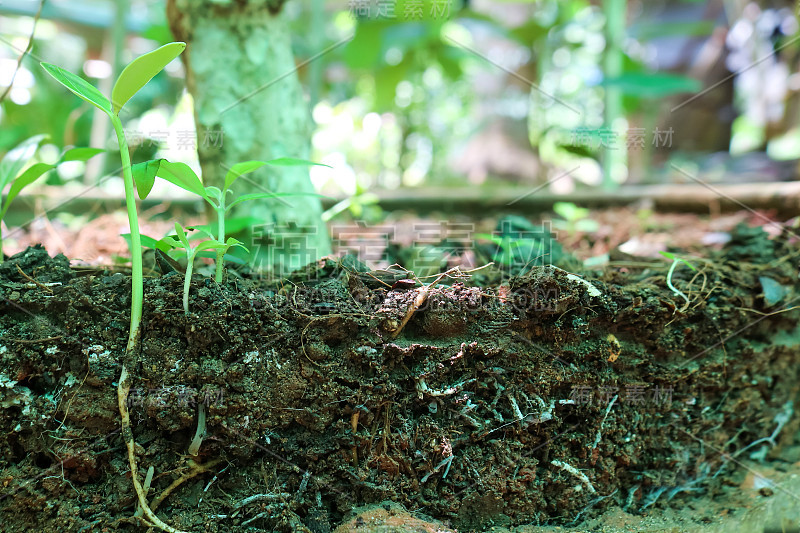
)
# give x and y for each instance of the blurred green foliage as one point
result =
(399, 102)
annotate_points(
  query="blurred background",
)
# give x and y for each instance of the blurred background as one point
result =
(449, 111)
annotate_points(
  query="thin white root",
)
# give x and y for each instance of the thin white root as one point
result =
(123, 389)
(148, 479)
(603, 421)
(575, 472)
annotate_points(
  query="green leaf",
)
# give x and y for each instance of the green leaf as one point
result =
(80, 154)
(294, 162)
(239, 169)
(246, 167)
(233, 225)
(182, 236)
(33, 173)
(203, 230)
(183, 176)
(212, 245)
(79, 86)
(214, 193)
(17, 158)
(260, 195)
(147, 242)
(570, 211)
(674, 257)
(168, 241)
(653, 85)
(234, 242)
(144, 176)
(140, 71)
(179, 174)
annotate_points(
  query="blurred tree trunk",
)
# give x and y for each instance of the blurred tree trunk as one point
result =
(248, 104)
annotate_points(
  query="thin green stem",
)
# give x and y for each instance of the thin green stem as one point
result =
(220, 237)
(137, 281)
(187, 281)
(669, 281)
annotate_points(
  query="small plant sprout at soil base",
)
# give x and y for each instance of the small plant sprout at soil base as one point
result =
(130, 81)
(182, 242)
(675, 262)
(184, 177)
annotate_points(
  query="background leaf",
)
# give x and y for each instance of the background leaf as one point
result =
(30, 175)
(294, 162)
(260, 195)
(17, 158)
(237, 170)
(80, 154)
(140, 71)
(653, 85)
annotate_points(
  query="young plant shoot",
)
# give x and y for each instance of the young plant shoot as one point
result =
(184, 177)
(17, 158)
(135, 76)
(182, 242)
(675, 262)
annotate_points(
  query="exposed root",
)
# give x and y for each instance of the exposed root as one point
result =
(575, 472)
(194, 470)
(123, 389)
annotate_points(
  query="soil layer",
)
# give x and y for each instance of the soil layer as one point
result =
(541, 400)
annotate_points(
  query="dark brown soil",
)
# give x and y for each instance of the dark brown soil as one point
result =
(539, 401)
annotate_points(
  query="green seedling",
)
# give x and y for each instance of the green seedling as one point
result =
(135, 76)
(675, 262)
(182, 243)
(183, 176)
(514, 252)
(17, 159)
(575, 218)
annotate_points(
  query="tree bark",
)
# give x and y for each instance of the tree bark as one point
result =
(249, 105)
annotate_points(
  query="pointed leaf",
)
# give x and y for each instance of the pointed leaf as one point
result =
(294, 162)
(214, 192)
(179, 174)
(235, 242)
(147, 242)
(79, 86)
(183, 176)
(33, 173)
(80, 154)
(260, 195)
(169, 242)
(201, 231)
(17, 158)
(246, 167)
(140, 71)
(237, 170)
(212, 245)
(182, 236)
(144, 176)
